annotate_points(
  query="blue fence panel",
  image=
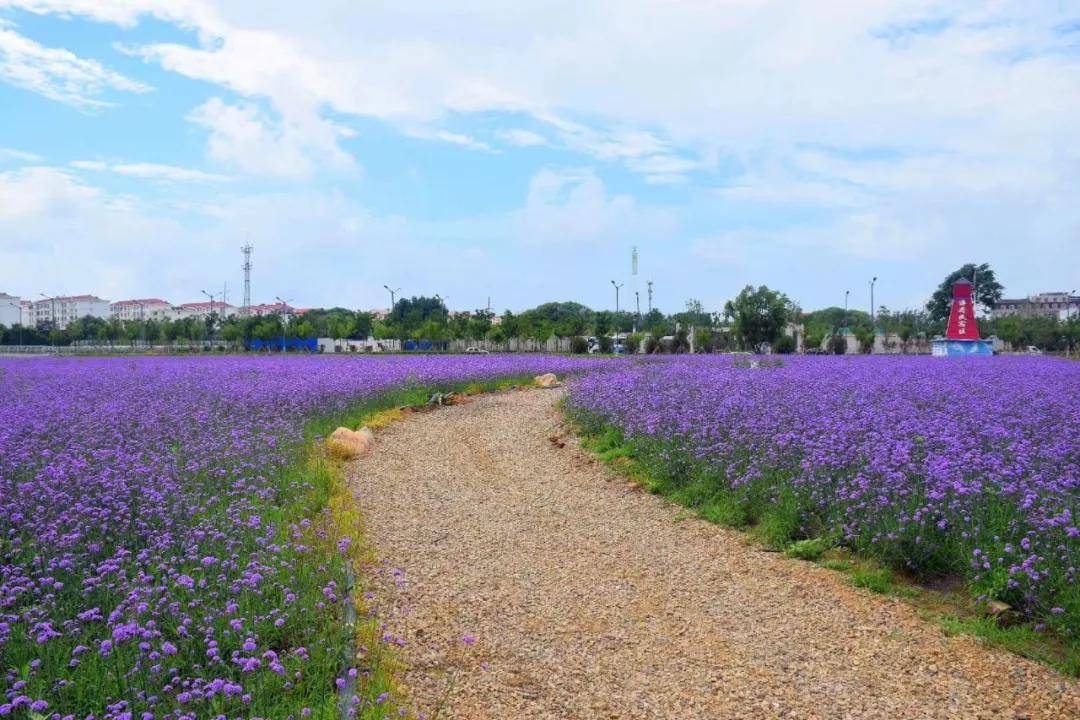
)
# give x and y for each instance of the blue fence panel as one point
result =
(275, 345)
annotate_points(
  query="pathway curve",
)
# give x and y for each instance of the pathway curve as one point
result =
(536, 584)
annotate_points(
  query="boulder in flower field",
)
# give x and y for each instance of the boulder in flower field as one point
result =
(547, 380)
(348, 444)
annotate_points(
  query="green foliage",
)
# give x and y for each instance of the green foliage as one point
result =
(1021, 639)
(778, 522)
(412, 317)
(866, 340)
(987, 290)
(579, 345)
(694, 316)
(877, 580)
(1046, 333)
(811, 549)
(632, 342)
(759, 316)
(830, 320)
(606, 343)
(837, 344)
(784, 345)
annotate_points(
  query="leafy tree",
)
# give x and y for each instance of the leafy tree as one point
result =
(480, 324)
(410, 314)
(758, 316)
(987, 290)
(784, 345)
(694, 316)
(655, 322)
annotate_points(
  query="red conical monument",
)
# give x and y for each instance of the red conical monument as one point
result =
(962, 333)
(962, 325)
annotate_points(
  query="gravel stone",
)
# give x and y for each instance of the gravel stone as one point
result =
(528, 581)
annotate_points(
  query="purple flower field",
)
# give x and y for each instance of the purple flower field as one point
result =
(937, 466)
(157, 557)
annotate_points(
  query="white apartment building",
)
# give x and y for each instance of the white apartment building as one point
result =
(1060, 304)
(10, 310)
(279, 308)
(203, 309)
(142, 309)
(64, 310)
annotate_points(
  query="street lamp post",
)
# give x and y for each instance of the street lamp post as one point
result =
(649, 283)
(393, 295)
(284, 304)
(872, 281)
(616, 286)
(210, 312)
(637, 309)
(846, 293)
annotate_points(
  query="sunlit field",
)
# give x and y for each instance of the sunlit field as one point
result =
(163, 552)
(936, 467)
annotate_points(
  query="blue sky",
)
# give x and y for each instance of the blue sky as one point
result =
(518, 153)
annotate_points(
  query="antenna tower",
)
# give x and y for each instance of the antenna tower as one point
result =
(247, 250)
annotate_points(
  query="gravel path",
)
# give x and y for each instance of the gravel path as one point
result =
(530, 582)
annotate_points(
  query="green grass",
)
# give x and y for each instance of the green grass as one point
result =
(776, 524)
(1020, 639)
(811, 549)
(330, 500)
(876, 580)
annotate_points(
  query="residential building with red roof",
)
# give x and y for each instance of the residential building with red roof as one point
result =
(141, 309)
(62, 310)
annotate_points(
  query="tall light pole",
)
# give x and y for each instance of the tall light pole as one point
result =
(393, 295)
(284, 304)
(649, 283)
(616, 286)
(210, 313)
(872, 281)
(846, 293)
(637, 308)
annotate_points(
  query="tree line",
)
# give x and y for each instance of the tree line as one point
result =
(756, 319)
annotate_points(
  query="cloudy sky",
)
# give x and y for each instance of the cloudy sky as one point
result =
(519, 150)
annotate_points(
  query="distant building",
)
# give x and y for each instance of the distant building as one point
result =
(278, 308)
(10, 310)
(64, 310)
(203, 310)
(143, 309)
(1048, 304)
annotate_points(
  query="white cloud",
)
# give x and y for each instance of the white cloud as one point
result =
(573, 207)
(151, 171)
(18, 155)
(59, 74)
(461, 139)
(863, 131)
(522, 138)
(296, 146)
